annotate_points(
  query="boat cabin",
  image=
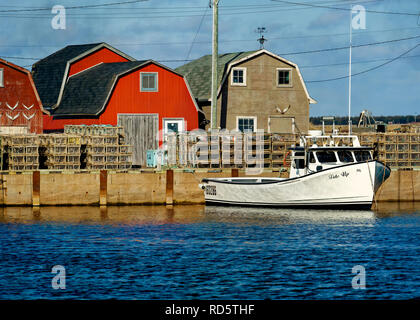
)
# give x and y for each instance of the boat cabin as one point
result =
(325, 156)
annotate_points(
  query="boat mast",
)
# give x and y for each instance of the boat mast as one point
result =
(351, 15)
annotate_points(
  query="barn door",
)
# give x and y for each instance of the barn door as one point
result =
(142, 132)
(278, 124)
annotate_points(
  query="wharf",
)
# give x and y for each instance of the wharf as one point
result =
(149, 187)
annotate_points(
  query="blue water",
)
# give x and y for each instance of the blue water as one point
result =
(194, 252)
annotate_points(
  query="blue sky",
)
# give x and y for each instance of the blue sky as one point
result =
(175, 31)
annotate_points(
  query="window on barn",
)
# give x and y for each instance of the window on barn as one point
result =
(238, 77)
(149, 81)
(245, 124)
(1, 78)
(284, 77)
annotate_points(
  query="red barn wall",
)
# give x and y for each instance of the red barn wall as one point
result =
(19, 90)
(172, 100)
(102, 55)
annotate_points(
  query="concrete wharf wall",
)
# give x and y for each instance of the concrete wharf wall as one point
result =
(148, 187)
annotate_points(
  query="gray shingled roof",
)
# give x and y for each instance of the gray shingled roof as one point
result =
(48, 73)
(86, 93)
(198, 72)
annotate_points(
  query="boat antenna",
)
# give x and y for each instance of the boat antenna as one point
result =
(351, 36)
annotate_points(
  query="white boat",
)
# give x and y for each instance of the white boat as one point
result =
(326, 174)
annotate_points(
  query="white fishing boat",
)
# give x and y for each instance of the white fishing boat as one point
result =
(324, 173)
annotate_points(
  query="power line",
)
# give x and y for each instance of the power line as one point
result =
(345, 9)
(221, 41)
(75, 7)
(178, 8)
(198, 31)
(368, 70)
(346, 47)
(148, 15)
(280, 54)
(20, 58)
(353, 62)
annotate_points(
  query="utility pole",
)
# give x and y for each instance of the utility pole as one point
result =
(215, 55)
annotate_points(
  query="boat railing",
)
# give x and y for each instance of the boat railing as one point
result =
(333, 140)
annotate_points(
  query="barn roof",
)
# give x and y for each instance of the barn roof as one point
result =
(198, 72)
(50, 73)
(31, 80)
(87, 93)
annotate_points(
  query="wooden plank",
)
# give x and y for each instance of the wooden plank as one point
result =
(142, 132)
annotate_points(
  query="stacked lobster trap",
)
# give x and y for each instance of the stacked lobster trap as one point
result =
(20, 152)
(103, 147)
(396, 149)
(79, 147)
(60, 151)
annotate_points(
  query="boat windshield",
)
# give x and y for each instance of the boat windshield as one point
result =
(362, 155)
(311, 157)
(326, 156)
(345, 156)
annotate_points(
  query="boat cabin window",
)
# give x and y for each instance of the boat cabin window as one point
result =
(311, 157)
(299, 163)
(326, 156)
(345, 156)
(362, 155)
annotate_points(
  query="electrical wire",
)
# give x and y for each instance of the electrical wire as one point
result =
(353, 62)
(149, 15)
(75, 7)
(345, 9)
(280, 54)
(365, 71)
(198, 31)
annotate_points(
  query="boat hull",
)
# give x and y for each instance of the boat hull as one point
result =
(350, 186)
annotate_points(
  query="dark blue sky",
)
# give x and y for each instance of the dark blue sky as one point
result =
(172, 31)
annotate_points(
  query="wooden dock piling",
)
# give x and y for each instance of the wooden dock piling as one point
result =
(36, 188)
(169, 187)
(103, 187)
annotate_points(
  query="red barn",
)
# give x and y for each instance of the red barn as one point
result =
(20, 107)
(104, 86)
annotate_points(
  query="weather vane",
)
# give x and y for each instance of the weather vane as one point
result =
(261, 40)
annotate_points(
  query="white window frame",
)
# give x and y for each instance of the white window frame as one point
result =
(166, 120)
(156, 82)
(1, 78)
(243, 84)
(290, 84)
(246, 117)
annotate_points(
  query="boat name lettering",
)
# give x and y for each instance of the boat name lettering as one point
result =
(345, 174)
(211, 190)
(333, 176)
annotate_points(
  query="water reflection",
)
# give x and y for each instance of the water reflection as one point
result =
(138, 215)
(387, 208)
(288, 216)
(104, 215)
